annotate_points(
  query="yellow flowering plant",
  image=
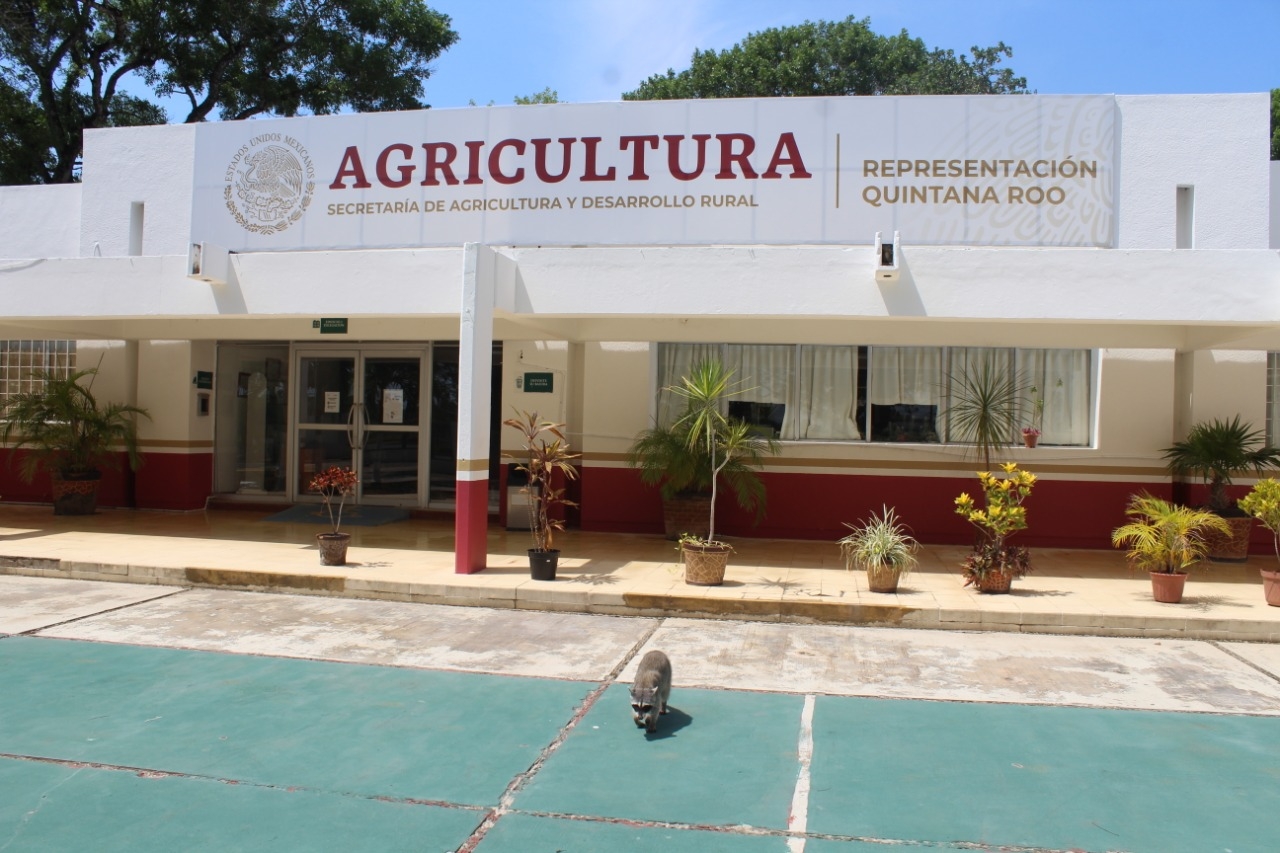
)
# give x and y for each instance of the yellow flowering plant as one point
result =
(1001, 515)
(1263, 503)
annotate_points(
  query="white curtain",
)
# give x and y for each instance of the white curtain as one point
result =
(675, 361)
(827, 399)
(969, 362)
(1062, 378)
(910, 375)
(819, 384)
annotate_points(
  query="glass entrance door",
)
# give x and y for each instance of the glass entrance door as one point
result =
(361, 409)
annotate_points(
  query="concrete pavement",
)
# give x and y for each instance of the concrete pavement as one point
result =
(1069, 592)
(343, 723)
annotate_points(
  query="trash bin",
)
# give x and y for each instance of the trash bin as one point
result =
(518, 504)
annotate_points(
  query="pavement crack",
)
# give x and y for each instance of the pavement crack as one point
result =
(1268, 673)
(35, 631)
(154, 773)
(521, 779)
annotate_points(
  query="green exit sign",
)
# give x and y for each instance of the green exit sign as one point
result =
(330, 325)
(538, 383)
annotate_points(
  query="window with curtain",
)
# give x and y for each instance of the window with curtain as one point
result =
(803, 392)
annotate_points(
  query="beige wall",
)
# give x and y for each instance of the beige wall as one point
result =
(521, 357)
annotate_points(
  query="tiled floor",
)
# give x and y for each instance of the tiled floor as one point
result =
(1085, 592)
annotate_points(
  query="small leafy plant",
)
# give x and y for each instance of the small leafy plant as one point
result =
(334, 483)
(1263, 503)
(879, 542)
(1032, 430)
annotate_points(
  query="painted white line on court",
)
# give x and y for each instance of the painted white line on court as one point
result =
(798, 821)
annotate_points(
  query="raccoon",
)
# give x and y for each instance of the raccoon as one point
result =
(650, 690)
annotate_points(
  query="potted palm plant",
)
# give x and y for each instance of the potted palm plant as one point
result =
(1165, 540)
(334, 483)
(1263, 503)
(544, 459)
(724, 442)
(1216, 451)
(71, 436)
(681, 470)
(993, 564)
(882, 548)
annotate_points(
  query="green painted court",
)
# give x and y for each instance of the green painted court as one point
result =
(120, 747)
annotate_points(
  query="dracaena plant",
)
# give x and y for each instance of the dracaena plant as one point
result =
(724, 442)
(546, 454)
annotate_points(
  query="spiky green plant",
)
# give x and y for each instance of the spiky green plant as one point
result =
(1163, 536)
(984, 407)
(725, 441)
(880, 541)
(1218, 450)
(65, 429)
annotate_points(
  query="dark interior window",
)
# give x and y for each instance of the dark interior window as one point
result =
(765, 418)
(904, 422)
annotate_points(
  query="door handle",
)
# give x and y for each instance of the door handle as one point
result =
(351, 426)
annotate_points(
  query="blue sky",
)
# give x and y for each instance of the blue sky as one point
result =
(593, 50)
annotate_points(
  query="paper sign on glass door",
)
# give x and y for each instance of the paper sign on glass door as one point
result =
(332, 402)
(393, 405)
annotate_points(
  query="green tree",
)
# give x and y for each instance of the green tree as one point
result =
(64, 62)
(832, 58)
(1275, 124)
(546, 96)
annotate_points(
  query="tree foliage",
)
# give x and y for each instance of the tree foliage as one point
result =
(1275, 124)
(64, 65)
(833, 58)
(546, 96)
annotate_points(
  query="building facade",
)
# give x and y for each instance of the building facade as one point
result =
(381, 290)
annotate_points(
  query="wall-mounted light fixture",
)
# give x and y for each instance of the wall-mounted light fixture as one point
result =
(887, 257)
(208, 262)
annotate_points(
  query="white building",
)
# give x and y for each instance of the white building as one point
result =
(380, 289)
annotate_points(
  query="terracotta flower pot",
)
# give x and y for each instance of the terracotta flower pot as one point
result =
(704, 565)
(333, 548)
(1231, 547)
(1030, 440)
(1271, 586)
(686, 514)
(1166, 587)
(882, 578)
(995, 581)
(76, 494)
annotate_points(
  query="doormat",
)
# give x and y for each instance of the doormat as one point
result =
(356, 516)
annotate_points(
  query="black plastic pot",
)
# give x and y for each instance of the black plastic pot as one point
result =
(542, 564)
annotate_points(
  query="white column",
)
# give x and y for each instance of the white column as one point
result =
(475, 361)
